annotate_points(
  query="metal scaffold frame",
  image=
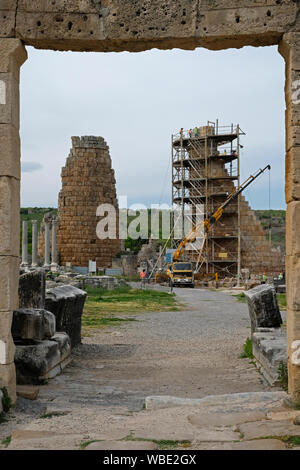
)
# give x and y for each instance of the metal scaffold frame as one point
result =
(205, 169)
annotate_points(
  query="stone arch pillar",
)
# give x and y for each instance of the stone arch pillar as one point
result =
(290, 50)
(12, 56)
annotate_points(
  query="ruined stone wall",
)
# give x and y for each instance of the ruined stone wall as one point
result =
(87, 181)
(257, 255)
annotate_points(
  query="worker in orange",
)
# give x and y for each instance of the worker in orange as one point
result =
(143, 278)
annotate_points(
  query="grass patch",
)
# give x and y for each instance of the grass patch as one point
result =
(240, 297)
(241, 434)
(291, 441)
(85, 444)
(104, 307)
(53, 414)
(94, 321)
(294, 441)
(6, 400)
(166, 445)
(5, 442)
(162, 444)
(247, 350)
(281, 299)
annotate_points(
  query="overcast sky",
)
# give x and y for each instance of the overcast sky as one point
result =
(136, 101)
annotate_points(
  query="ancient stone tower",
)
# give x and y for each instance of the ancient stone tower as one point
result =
(88, 181)
(206, 169)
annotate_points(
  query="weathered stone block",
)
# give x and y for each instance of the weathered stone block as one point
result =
(32, 288)
(67, 302)
(294, 382)
(293, 222)
(33, 324)
(9, 100)
(263, 307)
(49, 324)
(64, 345)
(8, 379)
(293, 277)
(35, 361)
(29, 392)
(9, 151)
(7, 23)
(116, 25)
(42, 360)
(292, 137)
(12, 55)
(292, 170)
(292, 327)
(5, 322)
(63, 6)
(9, 216)
(270, 350)
(9, 275)
(7, 348)
(129, 264)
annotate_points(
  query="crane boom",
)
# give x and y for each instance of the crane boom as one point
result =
(207, 223)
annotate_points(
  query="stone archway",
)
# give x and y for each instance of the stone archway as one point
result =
(117, 25)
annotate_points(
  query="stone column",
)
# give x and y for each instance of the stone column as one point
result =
(54, 264)
(34, 263)
(25, 244)
(12, 56)
(290, 49)
(47, 246)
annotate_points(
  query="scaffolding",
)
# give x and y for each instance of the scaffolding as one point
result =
(205, 170)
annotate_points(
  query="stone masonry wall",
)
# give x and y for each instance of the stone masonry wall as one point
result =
(257, 254)
(87, 181)
(114, 25)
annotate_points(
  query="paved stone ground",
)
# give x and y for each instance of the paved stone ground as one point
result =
(189, 354)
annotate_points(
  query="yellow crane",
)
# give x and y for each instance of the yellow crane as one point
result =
(181, 272)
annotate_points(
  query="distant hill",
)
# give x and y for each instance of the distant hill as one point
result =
(274, 220)
(268, 218)
(35, 213)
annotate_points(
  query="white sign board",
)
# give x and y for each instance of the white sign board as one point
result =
(92, 267)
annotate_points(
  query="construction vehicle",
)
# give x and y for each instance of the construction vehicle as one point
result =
(181, 272)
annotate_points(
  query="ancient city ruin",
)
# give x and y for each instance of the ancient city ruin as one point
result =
(87, 182)
(112, 25)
